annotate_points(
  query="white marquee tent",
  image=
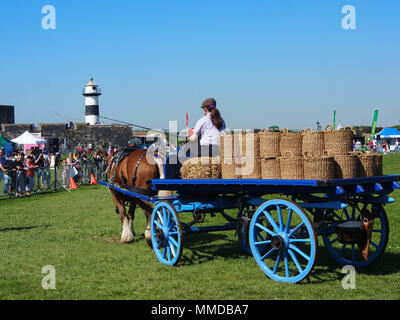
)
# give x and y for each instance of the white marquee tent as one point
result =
(28, 138)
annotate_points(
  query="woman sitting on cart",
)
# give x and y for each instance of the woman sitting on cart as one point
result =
(203, 142)
(207, 130)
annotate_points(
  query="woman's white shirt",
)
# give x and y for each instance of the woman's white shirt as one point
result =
(207, 132)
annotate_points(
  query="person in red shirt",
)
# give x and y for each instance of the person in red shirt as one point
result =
(384, 146)
(30, 174)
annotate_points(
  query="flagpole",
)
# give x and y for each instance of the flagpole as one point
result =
(187, 125)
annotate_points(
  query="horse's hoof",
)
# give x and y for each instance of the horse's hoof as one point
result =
(149, 243)
(123, 241)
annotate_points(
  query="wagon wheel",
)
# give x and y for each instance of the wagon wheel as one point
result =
(350, 254)
(166, 233)
(283, 241)
(243, 223)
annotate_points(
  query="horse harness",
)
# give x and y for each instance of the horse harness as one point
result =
(116, 160)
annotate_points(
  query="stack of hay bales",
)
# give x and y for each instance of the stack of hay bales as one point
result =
(314, 155)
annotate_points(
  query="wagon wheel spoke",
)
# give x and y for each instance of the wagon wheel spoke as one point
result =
(172, 249)
(295, 229)
(168, 253)
(278, 208)
(164, 214)
(159, 217)
(262, 242)
(294, 248)
(352, 253)
(278, 260)
(171, 239)
(158, 224)
(285, 258)
(267, 254)
(265, 229)
(289, 220)
(164, 251)
(296, 262)
(271, 221)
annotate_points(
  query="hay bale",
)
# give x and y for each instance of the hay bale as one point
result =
(248, 144)
(270, 168)
(291, 166)
(370, 165)
(201, 168)
(230, 146)
(319, 168)
(338, 141)
(231, 170)
(269, 144)
(250, 168)
(313, 143)
(291, 142)
(346, 166)
(225, 145)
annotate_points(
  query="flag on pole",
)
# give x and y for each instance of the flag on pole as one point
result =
(334, 119)
(374, 120)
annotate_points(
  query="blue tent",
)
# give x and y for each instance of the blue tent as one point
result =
(7, 145)
(388, 133)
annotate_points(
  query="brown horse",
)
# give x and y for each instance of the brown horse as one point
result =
(131, 173)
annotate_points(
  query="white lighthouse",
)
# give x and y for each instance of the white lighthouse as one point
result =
(91, 92)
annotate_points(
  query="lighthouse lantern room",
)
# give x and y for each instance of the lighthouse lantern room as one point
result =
(91, 92)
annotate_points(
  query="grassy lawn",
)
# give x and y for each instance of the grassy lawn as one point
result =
(78, 234)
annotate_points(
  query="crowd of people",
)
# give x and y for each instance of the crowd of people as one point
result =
(82, 164)
(19, 171)
(385, 145)
(24, 173)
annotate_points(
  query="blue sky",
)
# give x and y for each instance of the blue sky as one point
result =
(271, 62)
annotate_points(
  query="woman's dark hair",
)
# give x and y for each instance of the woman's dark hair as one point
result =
(216, 119)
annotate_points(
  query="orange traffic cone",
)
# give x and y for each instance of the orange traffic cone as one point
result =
(72, 184)
(93, 179)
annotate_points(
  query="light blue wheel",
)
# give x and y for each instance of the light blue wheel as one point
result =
(166, 233)
(283, 241)
(350, 254)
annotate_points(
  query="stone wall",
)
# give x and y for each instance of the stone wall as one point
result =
(97, 135)
(12, 131)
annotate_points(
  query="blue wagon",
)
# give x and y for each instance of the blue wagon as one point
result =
(280, 233)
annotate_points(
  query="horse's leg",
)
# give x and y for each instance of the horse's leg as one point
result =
(131, 216)
(148, 210)
(127, 235)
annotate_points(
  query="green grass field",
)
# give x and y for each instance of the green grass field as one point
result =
(78, 233)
